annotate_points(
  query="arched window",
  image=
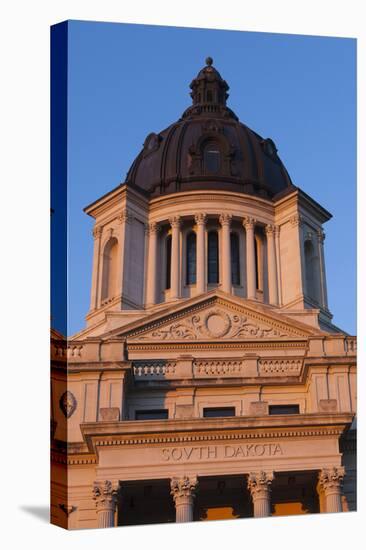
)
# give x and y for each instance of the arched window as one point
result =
(168, 260)
(109, 273)
(211, 158)
(235, 261)
(310, 270)
(213, 258)
(209, 96)
(258, 262)
(191, 259)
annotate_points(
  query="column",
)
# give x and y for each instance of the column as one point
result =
(249, 224)
(225, 256)
(330, 481)
(272, 267)
(259, 485)
(105, 496)
(175, 223)
(323, 281)
(152, 230)
(124, 219)
(97, 234)
(183, 491)
(200, 220)
(278, 257)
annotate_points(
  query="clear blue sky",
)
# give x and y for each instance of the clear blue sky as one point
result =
(126, 81)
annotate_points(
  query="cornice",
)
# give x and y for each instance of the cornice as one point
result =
(100, 434)
(215, 345)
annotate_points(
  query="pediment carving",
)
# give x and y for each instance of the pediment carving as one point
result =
(215, 323)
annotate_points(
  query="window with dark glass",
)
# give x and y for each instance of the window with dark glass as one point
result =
(153, 414)
(283, 409)
(211, 158)
(235, 262)
(256, 258)
(209, 96)
(168, 256)
(213, 412)
(213, 258)
(191, 259)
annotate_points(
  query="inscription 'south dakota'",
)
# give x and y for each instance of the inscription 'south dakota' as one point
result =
(227, 451)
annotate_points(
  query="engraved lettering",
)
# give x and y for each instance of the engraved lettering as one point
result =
(188, 453)
(211, 452)
(277, 450)
(166, 454)
(177, 454)
(229, 451)
(259, 450)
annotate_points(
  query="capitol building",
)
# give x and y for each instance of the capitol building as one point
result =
(209, 381)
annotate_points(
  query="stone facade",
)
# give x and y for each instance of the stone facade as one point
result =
(192, 396)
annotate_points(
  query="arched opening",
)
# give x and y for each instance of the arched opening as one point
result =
(213, 258)
(258, 253)
(191, 258)
(211, 158)
(310, 270)
(235, 259)
(109, 275)
(168, 260)
(209, 96)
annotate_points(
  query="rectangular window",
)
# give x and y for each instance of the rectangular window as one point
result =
(218, 412)
(284, 409)
(154, 414)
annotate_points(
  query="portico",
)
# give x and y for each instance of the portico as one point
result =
(280, 465)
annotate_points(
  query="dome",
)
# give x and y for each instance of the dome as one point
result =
(208, 148)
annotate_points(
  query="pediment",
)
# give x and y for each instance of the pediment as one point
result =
(216, 318)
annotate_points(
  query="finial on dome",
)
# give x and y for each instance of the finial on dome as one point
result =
(209, 61)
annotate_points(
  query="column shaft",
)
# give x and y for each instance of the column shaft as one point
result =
(97, 234)
(330, 480)
(323, 280)
(151, 278)
(175, 265)
(251, 283)
(105, 496)
(259, 485)
(278, 257)
(201, 255)
(183, 491)
(225, 221)
(272, 267)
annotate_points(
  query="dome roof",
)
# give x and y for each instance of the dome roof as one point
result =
(208, 148)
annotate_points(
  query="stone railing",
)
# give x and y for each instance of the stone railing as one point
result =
(351, 345)
(280, 367)
(208, 368)
(156, 370)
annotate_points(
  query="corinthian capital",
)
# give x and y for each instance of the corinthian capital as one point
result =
(321, 235)
(225, 219)
(259, 482)
(270, 229)
(97, 231)
(125, 216)
(175, 221)
(183, 487)
(200, 218)
(104, 494)
(152, 227)
(296, 220)
(331, 478)
(249, 223)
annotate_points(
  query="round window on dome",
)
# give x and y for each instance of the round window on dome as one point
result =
(211, 158)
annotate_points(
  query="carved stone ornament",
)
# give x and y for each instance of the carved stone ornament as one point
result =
(213, 324)
(183, 487)
(68, 509)
(331, 478)
(259, 481)
(104, 494)
(68, 403)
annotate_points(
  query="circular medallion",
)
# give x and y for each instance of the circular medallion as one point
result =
(217, 323)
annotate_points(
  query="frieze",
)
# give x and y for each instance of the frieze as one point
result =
(214, 324)
(216, 452)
